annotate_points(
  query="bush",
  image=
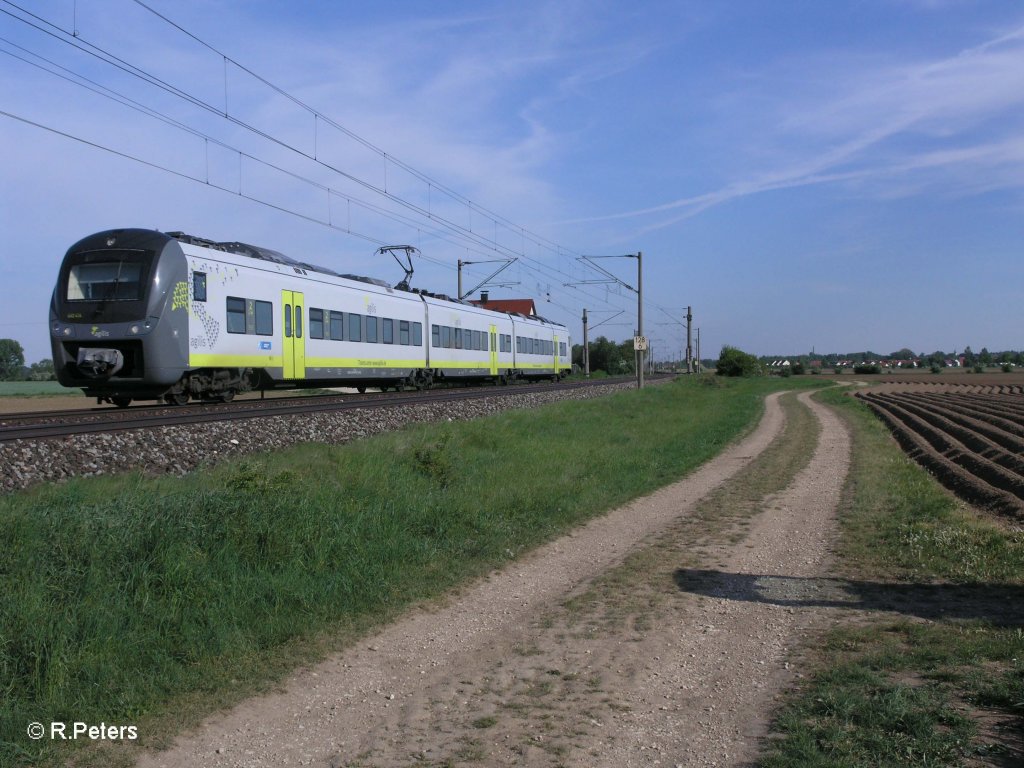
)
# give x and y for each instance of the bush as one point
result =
(869, 368)
(1006, 368)
(736, 362)
(935, 368)
(978, 368)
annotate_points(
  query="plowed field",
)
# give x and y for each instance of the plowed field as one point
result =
(970, 438)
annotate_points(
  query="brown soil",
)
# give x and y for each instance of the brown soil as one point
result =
(568, 657)
(970, 440)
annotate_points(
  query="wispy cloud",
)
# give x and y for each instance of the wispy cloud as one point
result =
(906, 127)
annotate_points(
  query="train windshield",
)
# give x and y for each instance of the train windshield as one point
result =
(108, 280)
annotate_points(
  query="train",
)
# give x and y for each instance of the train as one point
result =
(139, 314)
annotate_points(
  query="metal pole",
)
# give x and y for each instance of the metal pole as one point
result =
(459, 294)
(640, 314)
(586, 347)
(689, 340)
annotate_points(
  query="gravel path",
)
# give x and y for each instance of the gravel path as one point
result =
(510, 673)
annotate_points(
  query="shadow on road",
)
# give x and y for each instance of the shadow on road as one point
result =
(1000, 604)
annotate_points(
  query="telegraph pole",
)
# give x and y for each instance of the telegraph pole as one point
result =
(586, 347)
(639, 291)
(689, 340)
(640, 315)
(698, 351)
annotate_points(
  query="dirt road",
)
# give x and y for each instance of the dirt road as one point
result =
(623, 644)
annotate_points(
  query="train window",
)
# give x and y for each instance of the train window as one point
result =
(403, 332)
(287, 321)
(458, 338)
(446, 337)
(298, 321)
(417, 334)
(236, 315)
(389, 331)
(199, 286)
(264, 318)
(316, 323)
(337, 326)
(476, 339)
(105, 281)
(371, 330)
(435, 336)
(355, 327)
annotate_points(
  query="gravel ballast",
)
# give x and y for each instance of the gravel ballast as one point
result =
(181, 449)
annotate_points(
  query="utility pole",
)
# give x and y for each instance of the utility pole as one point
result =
(586, 347)
(689, 340)
(459, 294)
(640, 315)
(698, 352)
(639, 290)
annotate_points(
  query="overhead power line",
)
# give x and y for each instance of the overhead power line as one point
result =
(465, 237)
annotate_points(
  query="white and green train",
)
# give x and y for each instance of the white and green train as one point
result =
(144, 315)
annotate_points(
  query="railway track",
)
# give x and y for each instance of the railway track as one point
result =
(38, 425)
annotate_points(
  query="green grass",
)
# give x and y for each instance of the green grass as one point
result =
(916, 685)
(153, 601)
(35, 389)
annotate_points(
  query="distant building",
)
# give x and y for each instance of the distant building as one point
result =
(522, 306)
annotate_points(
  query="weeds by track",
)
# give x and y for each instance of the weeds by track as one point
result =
(48, 424)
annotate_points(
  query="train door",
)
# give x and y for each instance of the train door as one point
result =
(555, 343)
(294, 350)
(494, 350)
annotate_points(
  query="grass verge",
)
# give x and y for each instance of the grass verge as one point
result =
(36, 389)
(152, 601)
(935, 676)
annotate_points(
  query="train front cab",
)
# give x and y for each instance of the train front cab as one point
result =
(118, 321)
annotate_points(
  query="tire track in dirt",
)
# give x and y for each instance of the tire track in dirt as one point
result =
(488, 680)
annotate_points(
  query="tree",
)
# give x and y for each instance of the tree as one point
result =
(12, 360)
(42, 371)
(608, 356)
(736, 362)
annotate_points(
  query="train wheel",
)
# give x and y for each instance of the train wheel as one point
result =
(121, 402)
(176, 398)
(227, 396)
(361, 389)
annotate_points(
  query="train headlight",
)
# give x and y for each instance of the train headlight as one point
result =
(134, 329)
(67, 330)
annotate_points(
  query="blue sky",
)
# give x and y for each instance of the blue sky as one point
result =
(830, 175)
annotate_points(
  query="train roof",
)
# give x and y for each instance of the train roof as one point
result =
(268, 254)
